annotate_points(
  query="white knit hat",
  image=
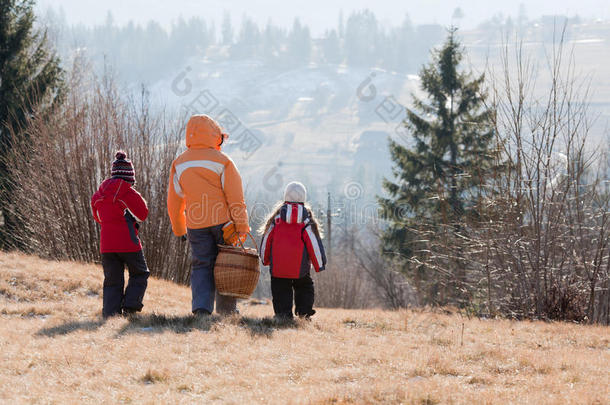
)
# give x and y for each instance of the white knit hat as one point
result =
(295, 192)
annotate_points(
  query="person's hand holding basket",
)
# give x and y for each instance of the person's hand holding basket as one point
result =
(236, 270)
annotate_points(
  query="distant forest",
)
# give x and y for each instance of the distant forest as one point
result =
(150, 51)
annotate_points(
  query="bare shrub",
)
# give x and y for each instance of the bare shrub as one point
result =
(546, 242)
(360, 277)
(68, 154)
(389, 284)
(345, 284)
(539, 245)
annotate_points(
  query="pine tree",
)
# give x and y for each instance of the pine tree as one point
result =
(438, 176)
(30, 82)
(298, 50)
(331, 48)
(248, 41)
(227, 29)
(362, 39)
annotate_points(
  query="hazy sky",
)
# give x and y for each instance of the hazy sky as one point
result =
(319, 14)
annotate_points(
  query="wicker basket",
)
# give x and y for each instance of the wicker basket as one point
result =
(236, 270)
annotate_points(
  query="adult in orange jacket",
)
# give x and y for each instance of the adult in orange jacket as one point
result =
(205, 196)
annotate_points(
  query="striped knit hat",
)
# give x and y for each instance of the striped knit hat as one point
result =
(122, 168)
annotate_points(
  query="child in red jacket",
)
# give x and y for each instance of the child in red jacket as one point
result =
(119, 208)
(290, 245)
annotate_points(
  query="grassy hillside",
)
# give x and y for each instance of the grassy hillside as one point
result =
(54, 348)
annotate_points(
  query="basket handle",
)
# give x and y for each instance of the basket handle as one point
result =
(242, 245)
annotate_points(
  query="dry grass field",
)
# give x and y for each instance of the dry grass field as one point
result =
(56, 349)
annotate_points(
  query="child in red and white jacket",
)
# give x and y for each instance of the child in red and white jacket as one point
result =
(118, 207)
(290, 245)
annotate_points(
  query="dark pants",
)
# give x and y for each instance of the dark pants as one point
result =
(115, 299)
(204, 249)
(282, 291)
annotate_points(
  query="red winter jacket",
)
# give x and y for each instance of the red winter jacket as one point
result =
(290, 244)
(117, 207)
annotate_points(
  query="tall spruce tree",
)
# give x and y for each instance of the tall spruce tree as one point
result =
(436, 179)
(30, 82)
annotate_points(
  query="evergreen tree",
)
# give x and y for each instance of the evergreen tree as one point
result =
(248, 41)
(298, 50)
(361, 39)
(438, 177)
(405, 46)
(30, 80)
(272, 40)
(186, 39)
(331, 48)
(227, 29)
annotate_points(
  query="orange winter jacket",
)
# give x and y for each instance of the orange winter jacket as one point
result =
(204, 185)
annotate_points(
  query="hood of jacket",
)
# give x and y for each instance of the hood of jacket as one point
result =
(203, 131)
(294, 213)
(113, 187)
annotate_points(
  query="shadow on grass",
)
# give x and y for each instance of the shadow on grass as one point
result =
(69, 327)
(266, 326)
(157, 323)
